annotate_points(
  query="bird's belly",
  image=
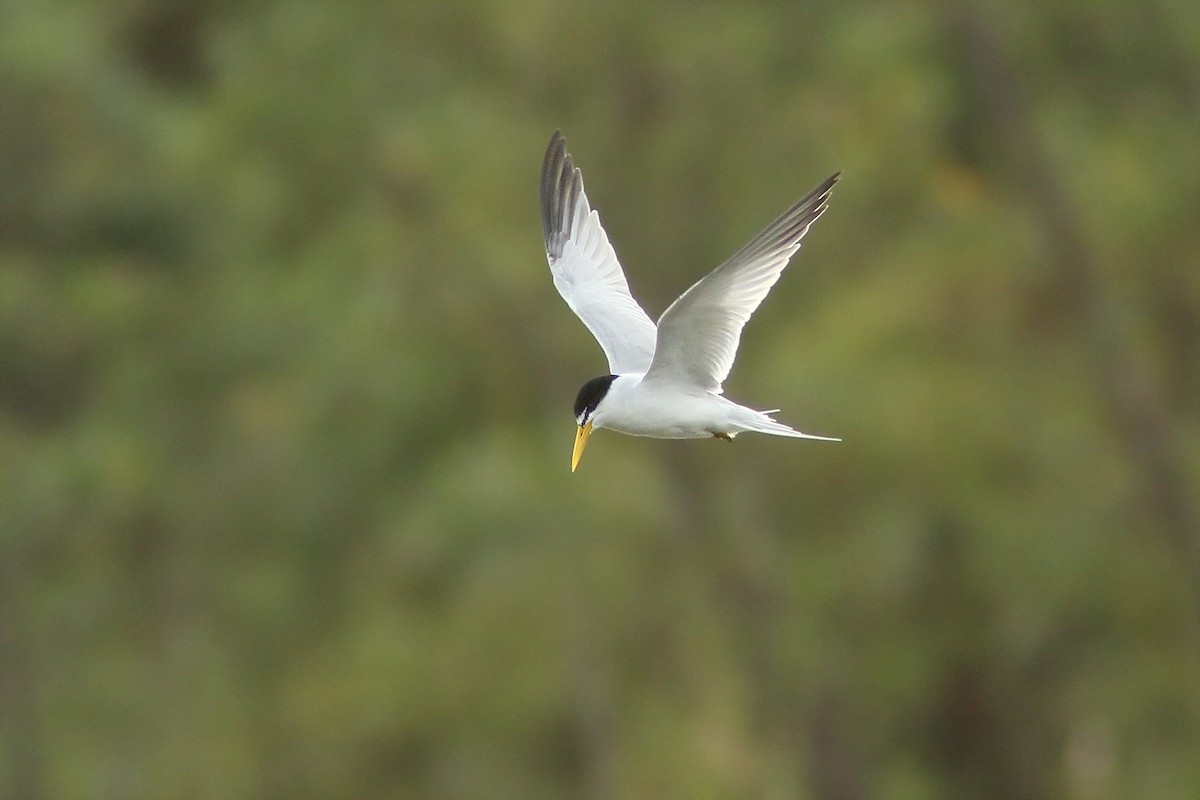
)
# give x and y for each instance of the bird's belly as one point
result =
(678, 417)
(666, 430)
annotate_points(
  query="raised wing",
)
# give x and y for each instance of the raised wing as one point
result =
(698, 334)
(585, 267)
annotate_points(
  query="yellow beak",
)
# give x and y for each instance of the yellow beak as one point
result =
(581, 437)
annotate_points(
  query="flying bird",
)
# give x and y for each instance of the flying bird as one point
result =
(664, 381)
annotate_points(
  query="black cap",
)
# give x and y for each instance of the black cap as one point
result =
(590, 396)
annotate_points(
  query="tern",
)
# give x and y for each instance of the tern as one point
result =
(664, 381)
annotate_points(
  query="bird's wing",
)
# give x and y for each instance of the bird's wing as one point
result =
(698, 334)
(585, 267)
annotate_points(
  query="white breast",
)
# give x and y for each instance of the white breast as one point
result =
(661, 410)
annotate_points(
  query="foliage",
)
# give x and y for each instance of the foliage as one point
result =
(285, 403)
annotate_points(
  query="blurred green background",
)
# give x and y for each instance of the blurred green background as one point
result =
(285, 404)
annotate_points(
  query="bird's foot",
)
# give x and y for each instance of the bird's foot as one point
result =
(726, 436)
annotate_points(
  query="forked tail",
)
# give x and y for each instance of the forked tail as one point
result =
(761, 422)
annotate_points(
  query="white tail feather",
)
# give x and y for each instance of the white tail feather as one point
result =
(761, 423)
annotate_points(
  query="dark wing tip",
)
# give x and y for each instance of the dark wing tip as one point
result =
(815, 201)
(792, 224)
(560, 187)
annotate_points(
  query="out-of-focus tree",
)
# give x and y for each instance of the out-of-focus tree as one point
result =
(285, 393)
